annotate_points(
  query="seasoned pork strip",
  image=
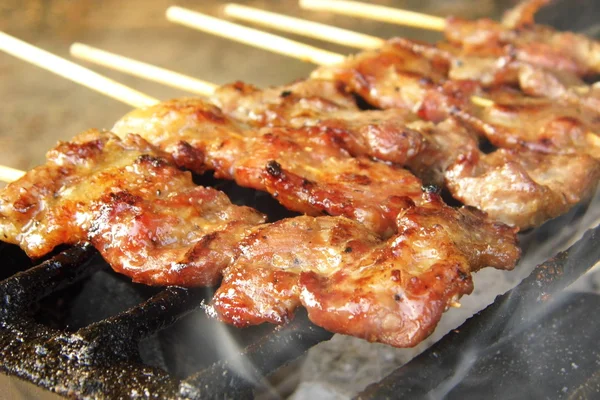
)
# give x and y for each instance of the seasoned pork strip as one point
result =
(146, 217)
(392, 291)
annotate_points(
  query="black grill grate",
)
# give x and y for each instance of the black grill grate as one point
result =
(102, 359)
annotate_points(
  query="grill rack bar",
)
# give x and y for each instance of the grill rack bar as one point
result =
(62, 270)
(98, 360)
(509, 314)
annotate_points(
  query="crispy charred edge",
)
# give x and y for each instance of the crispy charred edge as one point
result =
(291, 190)
(190, 157)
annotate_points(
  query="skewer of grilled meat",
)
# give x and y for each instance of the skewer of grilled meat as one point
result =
(430, 151)
(151, 223)
(390, 291)
(534, 44)
(303, 169)
(557, 129)
(144, 215)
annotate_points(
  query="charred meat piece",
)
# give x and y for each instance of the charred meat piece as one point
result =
(305, 170)
(523, 187)
(285, 105)
(145, 216)
(516, 121)
(395, 76)
(350, 282)
(325, 106)
(534, 44)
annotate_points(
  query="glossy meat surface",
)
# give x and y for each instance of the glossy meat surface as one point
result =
(534, 44)
(522, 187)
(354, 283)
(395, 76)
(304, 169)
(325, 106)
(516, 121)
(145, 216)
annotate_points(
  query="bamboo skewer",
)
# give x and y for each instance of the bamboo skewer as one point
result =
(303, 27)
(141, 69)
(8, 174)
(377, 12)
(252, 37)
(278, 43)
(73, 72)
(329, 33)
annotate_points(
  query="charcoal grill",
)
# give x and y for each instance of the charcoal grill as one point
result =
(109, 358)
(112, 353)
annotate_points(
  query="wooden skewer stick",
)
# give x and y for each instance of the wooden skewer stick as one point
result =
(303, 27)
(481, 101)
(329, 33)
(8, 174)
(377, 12)
(141, 69)
(276, 44)
(73, 72)
(252, 37)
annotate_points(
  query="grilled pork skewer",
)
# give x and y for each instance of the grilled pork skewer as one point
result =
(540, 187)
(305, 170)
(403, 80)
(517, 33)
(423, 148)
(358, 286)
(121, 184)
(151, 223)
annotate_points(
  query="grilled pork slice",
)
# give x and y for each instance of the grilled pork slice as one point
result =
(304, 169)
(145, 216)
(396, 76)
(523, 187)
(516, 121)
(354, 283)
(534, 44)
(325, 106)
(560, 87)
(284, 105)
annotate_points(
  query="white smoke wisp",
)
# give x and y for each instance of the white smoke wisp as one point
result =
(327, 361)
